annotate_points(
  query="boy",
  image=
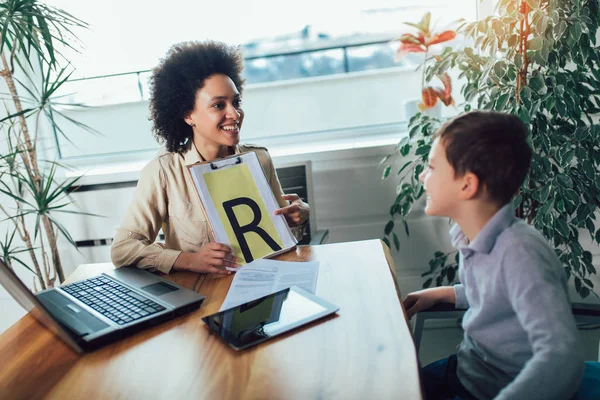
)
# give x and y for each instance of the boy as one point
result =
(520, 339)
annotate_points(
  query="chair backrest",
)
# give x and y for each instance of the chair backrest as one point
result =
(589, 389)
(94, 236)
(297, 178)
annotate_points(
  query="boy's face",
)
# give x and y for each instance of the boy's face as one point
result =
(441, 187)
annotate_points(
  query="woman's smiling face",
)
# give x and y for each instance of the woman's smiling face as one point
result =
(217, 116)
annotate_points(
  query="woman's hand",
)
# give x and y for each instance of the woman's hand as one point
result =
(212, 258)
(297, 212)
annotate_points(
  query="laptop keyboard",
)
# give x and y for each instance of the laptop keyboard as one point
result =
(114, 301)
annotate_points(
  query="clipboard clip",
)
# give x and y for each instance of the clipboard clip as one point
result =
(238, 161)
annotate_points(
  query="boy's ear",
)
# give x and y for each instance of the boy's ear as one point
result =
(469, 186)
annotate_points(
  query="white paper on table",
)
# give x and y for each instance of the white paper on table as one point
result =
(262, 277)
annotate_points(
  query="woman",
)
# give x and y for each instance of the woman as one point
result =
(195, 108)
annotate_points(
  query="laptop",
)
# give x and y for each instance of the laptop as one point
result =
(104, 308)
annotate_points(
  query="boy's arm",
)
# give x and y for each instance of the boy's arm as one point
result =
(534, 279)
(423, 299)
(460, 296)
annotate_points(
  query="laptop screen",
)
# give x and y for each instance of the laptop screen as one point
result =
(13, 285)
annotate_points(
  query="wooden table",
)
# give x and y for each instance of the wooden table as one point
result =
(365, 352)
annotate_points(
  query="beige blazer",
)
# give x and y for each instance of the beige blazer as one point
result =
(165, 197)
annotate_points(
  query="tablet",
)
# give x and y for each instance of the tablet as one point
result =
(261, 319)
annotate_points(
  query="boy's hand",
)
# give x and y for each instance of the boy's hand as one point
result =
(423, 299)
(419, 301)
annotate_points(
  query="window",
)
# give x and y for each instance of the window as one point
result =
(281, 42)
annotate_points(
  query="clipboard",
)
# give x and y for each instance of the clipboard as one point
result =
(238, 204)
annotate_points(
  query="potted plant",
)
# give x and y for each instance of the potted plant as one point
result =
(31, 34)
(422, 42)
(537, 59)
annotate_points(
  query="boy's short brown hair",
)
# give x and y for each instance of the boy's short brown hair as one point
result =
(491, 145)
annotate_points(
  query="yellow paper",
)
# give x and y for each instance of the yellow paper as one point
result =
(236, 185)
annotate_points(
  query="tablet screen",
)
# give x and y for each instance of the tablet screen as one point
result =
(269, 316)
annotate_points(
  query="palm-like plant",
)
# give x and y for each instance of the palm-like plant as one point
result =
(31, 34)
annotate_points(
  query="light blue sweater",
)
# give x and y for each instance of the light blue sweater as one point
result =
(520, 339)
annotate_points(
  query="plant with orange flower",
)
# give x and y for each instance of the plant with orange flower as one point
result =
(421, 42)
(539, 60)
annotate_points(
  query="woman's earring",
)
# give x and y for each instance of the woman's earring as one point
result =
(192, 124)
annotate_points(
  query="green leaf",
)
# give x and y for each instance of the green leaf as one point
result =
(418, 170)
(562, 227)
(387, 242)
(451, 274)
(584, 292)
(561, 107)
(389, 227)
(576, 31)
(564, 180)
(500, 69)
(427, 283)
(545, 192)
(568, 157)
(560, 205)
(524, 115)
(502, 102)
(384, 159)
(535, 43)
(413, 131)
(572, 197)
(404, 150)
(396, 241)
(404, 167)
(18, 114)
(537, 83)
(386, 171)
(581, 133)
(423, 150)
(589, 170)
(519, 60)
(525, 94)
(545, 209)
(559, 90)
(541, 25)
(517, 201)
(560, 28)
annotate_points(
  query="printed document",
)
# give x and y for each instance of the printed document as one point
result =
(262, 277)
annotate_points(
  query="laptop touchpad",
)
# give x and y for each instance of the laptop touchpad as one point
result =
(160, 288)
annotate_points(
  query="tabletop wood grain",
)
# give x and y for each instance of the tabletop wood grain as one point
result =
(365, 351)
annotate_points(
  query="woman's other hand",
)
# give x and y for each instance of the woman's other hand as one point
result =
(297, 212)
(212, 258)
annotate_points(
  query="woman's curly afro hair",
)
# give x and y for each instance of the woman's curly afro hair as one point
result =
(177, 78)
